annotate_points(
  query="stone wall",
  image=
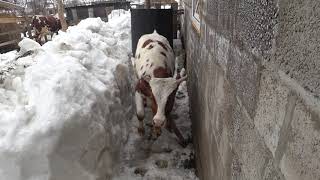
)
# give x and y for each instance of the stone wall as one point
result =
(254, 84)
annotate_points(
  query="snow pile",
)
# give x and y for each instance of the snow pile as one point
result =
(60, 112)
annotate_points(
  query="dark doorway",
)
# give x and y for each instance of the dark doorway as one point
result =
(82, 12)
(99, 11)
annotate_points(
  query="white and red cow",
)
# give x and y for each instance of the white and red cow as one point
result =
(154, 67)
(45, 25)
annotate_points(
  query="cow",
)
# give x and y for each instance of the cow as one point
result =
(44, 25)
(154, 68)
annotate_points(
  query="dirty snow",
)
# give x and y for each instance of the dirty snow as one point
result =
(61, 115)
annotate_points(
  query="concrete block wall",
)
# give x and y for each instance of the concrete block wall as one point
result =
(254, 84)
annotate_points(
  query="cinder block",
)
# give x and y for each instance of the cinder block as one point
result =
(255, 23)
(298, 43)
(251, 160)
(301, 155)
(271, 109)
(242, 71)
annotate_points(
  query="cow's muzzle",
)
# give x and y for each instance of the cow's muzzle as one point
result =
(156, 130)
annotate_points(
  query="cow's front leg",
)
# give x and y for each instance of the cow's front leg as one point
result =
(140, 111)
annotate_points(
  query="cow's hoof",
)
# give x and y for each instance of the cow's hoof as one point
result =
(140, 171)
(156, 131)
(141, 131)
(154, 137)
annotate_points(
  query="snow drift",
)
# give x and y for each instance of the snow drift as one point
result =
(63, 114)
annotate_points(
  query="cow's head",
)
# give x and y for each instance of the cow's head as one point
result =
(39, 24)
(162, 88)
(161, 91)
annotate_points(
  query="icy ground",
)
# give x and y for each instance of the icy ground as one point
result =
(66, 111)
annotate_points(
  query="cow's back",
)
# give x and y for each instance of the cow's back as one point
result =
(153, 51)
(50, 22)
(53, 23)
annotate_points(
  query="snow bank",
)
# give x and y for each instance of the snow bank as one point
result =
(61, 114)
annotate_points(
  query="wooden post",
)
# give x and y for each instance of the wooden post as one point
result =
(29, 30)
(147, 4)
(61, 15)
(27, 26)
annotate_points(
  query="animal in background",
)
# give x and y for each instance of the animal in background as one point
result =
(45, 25)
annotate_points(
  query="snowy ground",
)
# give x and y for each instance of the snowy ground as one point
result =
(63, 115)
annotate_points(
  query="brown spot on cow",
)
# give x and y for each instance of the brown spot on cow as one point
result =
(151, 65)
(162, 45)
(146, 43)
(144, 87)
(144, 73)
(161, 72)
(138, 56)
(164, 54)
(141, 67)
(147, 60)
(150, 47)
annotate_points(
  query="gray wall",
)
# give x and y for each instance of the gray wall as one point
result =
(254, 84)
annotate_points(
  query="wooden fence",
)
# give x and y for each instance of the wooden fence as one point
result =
(12, 27)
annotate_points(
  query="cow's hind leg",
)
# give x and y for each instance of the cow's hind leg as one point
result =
(181, 141)
(171, 125)
(45, 38)
(140, 112)
(39, 40)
